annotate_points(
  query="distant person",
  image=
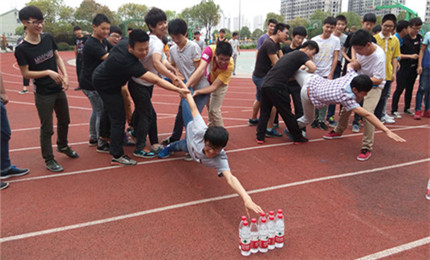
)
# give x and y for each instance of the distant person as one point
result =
(221, 37)
(376, 29)
(234, 42)
(199, 41)
(424, 88)
(271, 24)
(79, 47)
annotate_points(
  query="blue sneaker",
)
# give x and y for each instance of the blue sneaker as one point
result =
(143, 154)
(355, 128)
(273, 133)
(288, 135)
(165, 152)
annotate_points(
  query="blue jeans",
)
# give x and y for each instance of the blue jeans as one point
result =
(96, 114)
(188, 117)
(5, 137)
(258, 83)
(423, 90)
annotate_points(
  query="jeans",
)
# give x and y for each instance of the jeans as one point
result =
(258, 83)
(188, 117)
(5, 137)
(46, 105)
(423, 90)
(96, 114)
(382, 104)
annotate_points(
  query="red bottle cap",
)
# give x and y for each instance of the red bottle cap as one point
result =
(263, 220)
(271, 217)
(262, 214)
(243, 218)
(254, 220)
(280, 216)
(279, 211)
(271, 212)
(245, 222)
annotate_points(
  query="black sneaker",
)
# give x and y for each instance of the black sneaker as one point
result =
(273, 133)
(13, 171)
(68, 151)
(252, 122)
(53, 166)
(322, 125)
(314, 124)
(301, 140)
(92, 142)
(123, 160)
(167, 141)
(3, 185)
(127, 141)
(103, 149)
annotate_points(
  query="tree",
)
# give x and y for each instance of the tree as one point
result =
(277, 17)
(132, 11)
(171, 15)
(207, 13)
(245, 32)
(299, 21)
(401, 16)
(257, 33)
(352, 19)
(85, 13)
(317, 18)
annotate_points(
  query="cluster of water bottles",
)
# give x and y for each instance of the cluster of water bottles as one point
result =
(262, 236)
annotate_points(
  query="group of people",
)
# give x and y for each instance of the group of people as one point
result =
(112, 70)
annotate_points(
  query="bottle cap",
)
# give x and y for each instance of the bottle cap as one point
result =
(254, 220)
(271, 217)
(279, 211)
(262, 214)
(280, 216)
(245, 222)
(243, 218)
(263, 220)
(271, 212)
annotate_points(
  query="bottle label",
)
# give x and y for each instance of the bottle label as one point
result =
(271, 240)
(255, 244)
(428, 192)
(264, 243)
(279, 239)
(245, 245)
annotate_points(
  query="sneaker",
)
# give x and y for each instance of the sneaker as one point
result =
(165, 152)
(303, 131)
(322, 126)
(92, 142)
(103, 149)
(53, 166)
(14, 172)
(188, 157)
(427, 114)
(301, 140)
(3, 185)
(24, 91)
(252, 122)
(143, 154)
(331, 122)
(355, 128)
(388, 120)
(314, 124)
(68, 151)
(332, 135)
(157, 150)
(132, 134)
(127, 141)
(417, 115)
(275, 126)
(260, 141)
(123, 160)
(364, 155)
(273, 133)
(409, 112)
(396, 114)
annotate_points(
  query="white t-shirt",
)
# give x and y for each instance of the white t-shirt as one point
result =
(234, 44)
(324, 58)
(373, 65)
(155, 46)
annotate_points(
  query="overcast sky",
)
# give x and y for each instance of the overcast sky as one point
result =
(250, 8)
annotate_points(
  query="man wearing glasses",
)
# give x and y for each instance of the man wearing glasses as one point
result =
(38, 59)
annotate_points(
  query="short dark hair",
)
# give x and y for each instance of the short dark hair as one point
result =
(415, 22)
(224, 48)
(330, 20)
(196, 32)
(272, 21)
(115, 29)
(164, 39)
(361, 38)
(362, 83)
(389, 17)
(369, 17)
(280, 27)
(300, 30)
(401, 25)
(312, 45)
(154, 16)
(137, 35)
(130, 29)
(30, 11)
(217, 136)
(341, 17)
(99, 19)
(235, 33)
(377, 28)
(76, 28)
(222, 30)
(177, 26)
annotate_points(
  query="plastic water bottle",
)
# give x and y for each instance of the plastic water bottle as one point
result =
(255, 242)
(272, 213)
(279, 212)
(272, 231)
(245, 237)
(280, 231)
(263, 235)
(428, 190)
(262, 215)
(243, 218)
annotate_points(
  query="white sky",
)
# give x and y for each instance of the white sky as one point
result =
(250, 8)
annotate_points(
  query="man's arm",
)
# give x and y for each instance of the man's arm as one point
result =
(333, 64)
(161, 68)
(217, 83)
(76, 51)
(273, 58)
(193, 107)
(62, 67)
(238, 188)
(151, 77)
(376, 123)
(197, 74)
(3, 95)
(394, 63)
(420, 59)
(311, 66)
(344, 49)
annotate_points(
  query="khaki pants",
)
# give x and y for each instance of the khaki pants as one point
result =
(215, 103)
(370, 102)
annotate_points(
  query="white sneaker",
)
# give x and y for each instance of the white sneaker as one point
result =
(396, 114)
(390, 117)
(386, 119)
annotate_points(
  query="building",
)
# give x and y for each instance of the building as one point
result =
(258, 23)
(291, 9)
(427, 16)
(9, 21)
(362, 7)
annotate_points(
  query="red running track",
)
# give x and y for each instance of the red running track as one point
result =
(335, 206)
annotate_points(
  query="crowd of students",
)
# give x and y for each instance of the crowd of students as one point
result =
(354, 70)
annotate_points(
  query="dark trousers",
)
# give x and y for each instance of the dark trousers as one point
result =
(144, 118)
(278, 97)
(5, 137)
(114, 107)
(294, 90)
(405, 81)
(78, 65)
(25, 82)
(45, 105)
(382, 104)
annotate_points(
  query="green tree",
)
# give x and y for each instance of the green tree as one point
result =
(401, 16)
(206, 13)
(299, 21)
(256, 34)
(316, 22)
(245, 32)
(132, 11)
(277, 17)
(171, 15)
(85, 13)
(353, 19)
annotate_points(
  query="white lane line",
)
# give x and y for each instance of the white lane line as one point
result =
(397, 249)
(38, 128)
(202, 201)
(32, 104)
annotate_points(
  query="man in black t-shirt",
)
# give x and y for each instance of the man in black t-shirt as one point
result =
(120, 66)
(79, 47)
(38, 59)
(274, 91)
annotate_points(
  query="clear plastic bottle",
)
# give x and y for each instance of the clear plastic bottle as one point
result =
(245, 239)
(263, 235)
(280, 231)
(255, 242)
(279, 212)
(272, 231)
(262, 215)
(243, 218)
(428, 190)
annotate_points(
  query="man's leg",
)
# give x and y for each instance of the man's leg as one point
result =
(142, 106)
(5, 137)
(99, 112)
(257, 102)
(382, 103)
(215, 103)
(234, 61)
(369, 104)
(61, 108)
(265, 110)
(294, 89)
(412, 76)
(343, 121)
(400, 86)
(308, 108)
(45, 108)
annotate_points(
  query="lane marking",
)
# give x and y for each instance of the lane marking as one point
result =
(202, 201)
(397, 249)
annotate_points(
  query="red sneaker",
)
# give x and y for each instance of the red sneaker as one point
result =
(332, 135)
(427, 114)
(260, 141)
(417, 115)
(364, 155)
